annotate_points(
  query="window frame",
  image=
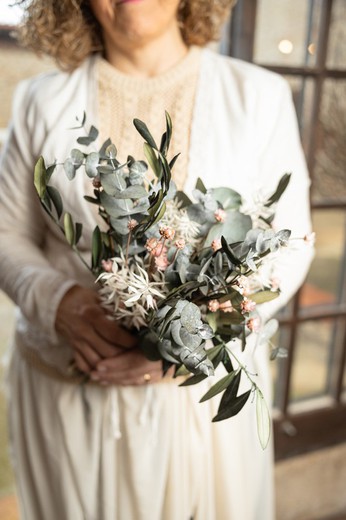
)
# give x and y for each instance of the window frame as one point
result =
(317, 422)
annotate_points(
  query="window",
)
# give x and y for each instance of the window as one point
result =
(305, 41)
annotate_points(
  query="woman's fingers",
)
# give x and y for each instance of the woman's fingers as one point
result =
(91, 357)
(130, 368)
(109, 329)
(82, 365)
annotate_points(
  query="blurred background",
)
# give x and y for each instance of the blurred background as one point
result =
(305, 41)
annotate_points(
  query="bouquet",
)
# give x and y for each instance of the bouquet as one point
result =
(183, 273)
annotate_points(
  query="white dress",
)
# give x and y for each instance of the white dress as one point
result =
(142, 452)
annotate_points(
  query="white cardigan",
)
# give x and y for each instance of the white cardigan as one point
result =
(244, 135)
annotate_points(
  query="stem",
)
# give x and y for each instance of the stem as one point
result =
(127, 247)
(241, 366)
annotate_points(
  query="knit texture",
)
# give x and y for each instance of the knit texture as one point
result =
(121, 98)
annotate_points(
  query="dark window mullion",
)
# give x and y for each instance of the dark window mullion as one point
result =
(322, 49)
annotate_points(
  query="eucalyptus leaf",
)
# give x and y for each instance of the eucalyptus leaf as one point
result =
(69, 168)
(91, 164)
(120, 225)
(111, 151)
(77, 158)
(191, 317)
(230, 199)
(132, 192)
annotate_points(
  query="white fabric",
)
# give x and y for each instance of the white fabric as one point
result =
(244, 135)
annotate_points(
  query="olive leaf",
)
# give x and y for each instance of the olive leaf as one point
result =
(263, 419)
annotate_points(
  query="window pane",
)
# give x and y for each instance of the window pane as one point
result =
(323, 284)
(336, 57)
(292, 38)
(309, 373)
(330, 167)
(303, 92)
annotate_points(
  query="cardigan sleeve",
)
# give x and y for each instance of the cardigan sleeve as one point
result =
(281, 152)
(25, 274)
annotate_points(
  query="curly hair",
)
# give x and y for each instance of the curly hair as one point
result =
(68, 31)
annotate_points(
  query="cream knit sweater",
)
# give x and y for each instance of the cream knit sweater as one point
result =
(122, 98)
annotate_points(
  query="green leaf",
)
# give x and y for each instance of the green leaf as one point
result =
(91, 164)
(143, 130)
(96, 247)
(40, 177)
(263, 419)
(234, 228)
(233, 408)
(111, 151)
(173, 161)
(229, 198)
(79, 229)
(90, 138)
(200, 186)
(168, 129)
(263, 296)
(229, 252)
(50, 171)
(218, 387)
(77, 158)
(213, 352)
(69, 229)
(281, 187)
(193, 380)
(55, 197)
(69, 168)
(132, 192)
(152, 160)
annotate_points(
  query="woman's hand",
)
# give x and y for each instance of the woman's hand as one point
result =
(84, 323)
(128, 368)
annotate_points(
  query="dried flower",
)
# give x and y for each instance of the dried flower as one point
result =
(159, 250)
(213, 305)
(161, 262)
(310, 238)
(253, 324)
(216, 244)
(167, 232)
(180, 243)
(247, 305)
(220, 215)
(142, 289)
(132, 224)
(151, 244)
(107, 265)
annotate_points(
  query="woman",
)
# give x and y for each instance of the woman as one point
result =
(144, 450)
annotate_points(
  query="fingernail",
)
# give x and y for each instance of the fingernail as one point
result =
(95, 377)
(101, 368)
